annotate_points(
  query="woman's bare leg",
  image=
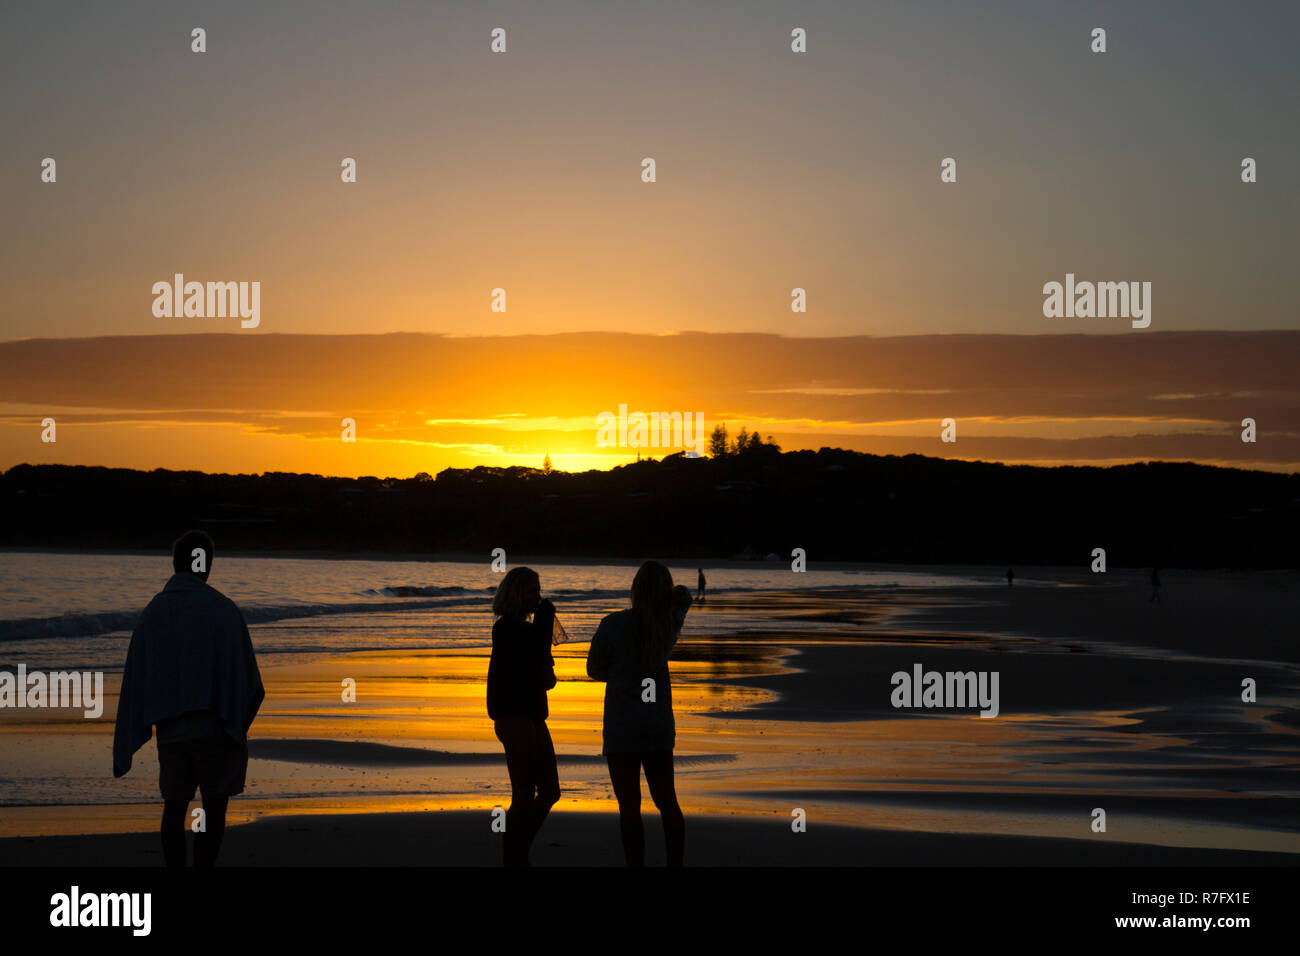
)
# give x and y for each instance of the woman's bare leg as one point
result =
(547, 776)
(659, 776)
(625, 776)
(519, 739)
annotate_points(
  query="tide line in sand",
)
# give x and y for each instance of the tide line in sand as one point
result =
(360, 753)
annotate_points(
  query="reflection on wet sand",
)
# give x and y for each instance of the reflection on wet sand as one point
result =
(794, 712)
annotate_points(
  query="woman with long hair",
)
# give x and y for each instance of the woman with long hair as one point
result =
(520, 673)
(629, 652)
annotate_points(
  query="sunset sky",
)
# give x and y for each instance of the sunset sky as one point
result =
(247, 403)
(522, 171)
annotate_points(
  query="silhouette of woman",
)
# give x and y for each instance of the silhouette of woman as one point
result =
(629, 652)
(520, 673)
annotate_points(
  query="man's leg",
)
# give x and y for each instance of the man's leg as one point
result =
(176, 782)
(173, 831)
(207, 842)
(222, 768)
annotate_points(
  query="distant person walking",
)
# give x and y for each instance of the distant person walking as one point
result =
(1011, 577)
(191, 672)
(629, 652)
(700, 583)
(520, 672)
(1155, 586)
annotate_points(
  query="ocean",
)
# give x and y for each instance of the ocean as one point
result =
(61, 610)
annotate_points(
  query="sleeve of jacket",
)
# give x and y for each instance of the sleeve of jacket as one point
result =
(130, 733)
(543, 627)
(257, 693)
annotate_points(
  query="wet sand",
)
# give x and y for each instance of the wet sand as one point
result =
(1107, 701)
(591, 839)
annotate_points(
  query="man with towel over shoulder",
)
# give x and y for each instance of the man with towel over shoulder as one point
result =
(191, 671)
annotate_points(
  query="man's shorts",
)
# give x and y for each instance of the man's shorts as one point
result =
(216, 765)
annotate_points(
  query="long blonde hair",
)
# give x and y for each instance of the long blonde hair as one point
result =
(652, 612)
(509, 599)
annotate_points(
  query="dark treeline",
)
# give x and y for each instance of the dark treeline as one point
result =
(837, 505)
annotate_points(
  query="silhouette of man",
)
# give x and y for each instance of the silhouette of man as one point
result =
(1155, 586)
(1010, 577)
(700, 582)
(191, 671)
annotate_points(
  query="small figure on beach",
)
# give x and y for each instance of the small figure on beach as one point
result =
(520, 672)
(629, 652)
(190, 672)
(700, 583)
(1155, 586)
(1011, 577)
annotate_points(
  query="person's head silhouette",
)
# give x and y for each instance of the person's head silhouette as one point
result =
(518, 595)
(192, 553)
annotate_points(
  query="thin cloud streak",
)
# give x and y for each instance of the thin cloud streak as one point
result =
(1179, 396)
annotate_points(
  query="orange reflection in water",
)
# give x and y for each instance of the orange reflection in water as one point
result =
(428, 706)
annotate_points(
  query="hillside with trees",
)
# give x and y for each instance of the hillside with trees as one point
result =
(751, 501)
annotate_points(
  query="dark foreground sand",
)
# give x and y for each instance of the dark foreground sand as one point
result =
(591, 839)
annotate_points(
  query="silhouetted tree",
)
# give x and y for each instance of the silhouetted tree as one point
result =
(718, 442)
(742, 440)
(546, 465)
